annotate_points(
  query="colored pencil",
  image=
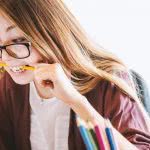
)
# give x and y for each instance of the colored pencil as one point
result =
(24, 67)
(110, 136)
(3, 64)
(99, 136)
(29, 67)
(84, 133)
(92, 136)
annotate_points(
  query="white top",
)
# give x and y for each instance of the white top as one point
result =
(49, 122)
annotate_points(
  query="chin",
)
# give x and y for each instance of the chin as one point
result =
(23, 78)
(21, 82)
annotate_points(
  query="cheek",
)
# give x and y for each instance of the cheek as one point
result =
(34, 57)
(28, 75)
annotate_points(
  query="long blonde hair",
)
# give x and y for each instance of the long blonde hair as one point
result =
(58, 37)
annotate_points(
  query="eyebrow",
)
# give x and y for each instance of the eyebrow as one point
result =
(10, 28)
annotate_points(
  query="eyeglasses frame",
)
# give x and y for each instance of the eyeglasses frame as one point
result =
(27, 44)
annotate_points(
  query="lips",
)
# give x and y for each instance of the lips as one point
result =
(17, 68)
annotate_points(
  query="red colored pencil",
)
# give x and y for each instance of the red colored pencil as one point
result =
(99, 136)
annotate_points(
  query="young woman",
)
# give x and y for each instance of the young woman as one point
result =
(82, 79)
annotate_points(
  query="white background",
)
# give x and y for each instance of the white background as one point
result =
(120, 26)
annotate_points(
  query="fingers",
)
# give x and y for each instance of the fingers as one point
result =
(44, 80)
(44, 75)
(51, 72)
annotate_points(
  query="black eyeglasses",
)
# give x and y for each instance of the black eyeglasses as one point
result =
(17, 50)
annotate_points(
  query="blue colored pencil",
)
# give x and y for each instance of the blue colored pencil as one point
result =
(110, 136)
(84, 134)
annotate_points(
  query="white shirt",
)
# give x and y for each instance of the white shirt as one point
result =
(49, 122)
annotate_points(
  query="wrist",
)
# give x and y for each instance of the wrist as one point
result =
(83, 108)
(76, 100)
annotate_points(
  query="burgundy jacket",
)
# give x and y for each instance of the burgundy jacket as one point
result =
(108, 100)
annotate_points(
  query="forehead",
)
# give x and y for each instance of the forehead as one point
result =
(8, 29)
(5, 21)
(7, 24)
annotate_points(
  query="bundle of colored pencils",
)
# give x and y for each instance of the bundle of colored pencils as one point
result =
(93, 137)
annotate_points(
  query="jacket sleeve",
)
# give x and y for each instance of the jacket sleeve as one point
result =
(126, 116)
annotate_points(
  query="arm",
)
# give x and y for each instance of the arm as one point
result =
(128, 121)
(116, 106)
(85, 110)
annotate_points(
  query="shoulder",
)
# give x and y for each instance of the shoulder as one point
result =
(107, 98)
(110, 95)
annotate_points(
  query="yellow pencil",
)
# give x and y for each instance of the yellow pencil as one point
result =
(3, 64)
(24, 67)
(29, 67)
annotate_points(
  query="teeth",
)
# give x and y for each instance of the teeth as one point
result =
(17, 69)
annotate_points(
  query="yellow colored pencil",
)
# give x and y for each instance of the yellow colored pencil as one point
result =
(3, 64)
(24, 67)
(29, 67)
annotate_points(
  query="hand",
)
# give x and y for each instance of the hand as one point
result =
(60, 84)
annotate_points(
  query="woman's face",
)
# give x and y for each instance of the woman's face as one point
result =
(11, 34)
